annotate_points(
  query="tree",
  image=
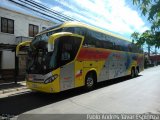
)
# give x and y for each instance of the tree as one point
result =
(135, 37)
(146, 37)
(157, 39)
(150, 8)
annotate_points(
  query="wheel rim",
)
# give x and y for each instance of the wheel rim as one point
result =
(89, 82)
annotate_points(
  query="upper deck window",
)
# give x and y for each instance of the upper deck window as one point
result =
(7, 25)
(33, 30)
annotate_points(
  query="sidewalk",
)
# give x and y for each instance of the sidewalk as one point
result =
(8, 89)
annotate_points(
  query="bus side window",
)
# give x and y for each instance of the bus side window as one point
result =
(130, 48)
(68, 48)
(65, 54)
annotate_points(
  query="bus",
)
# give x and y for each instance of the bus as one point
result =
(74, 54)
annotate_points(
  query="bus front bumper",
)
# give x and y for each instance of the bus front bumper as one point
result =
(41, 87)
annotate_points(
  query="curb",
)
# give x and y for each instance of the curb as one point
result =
(12, 90)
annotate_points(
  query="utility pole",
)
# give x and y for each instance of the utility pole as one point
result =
(149, 50)
(155, 50)
(16, 68)
(156, 60)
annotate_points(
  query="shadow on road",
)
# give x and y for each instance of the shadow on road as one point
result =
(15, 105)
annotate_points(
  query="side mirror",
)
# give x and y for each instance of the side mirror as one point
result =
(25, 43)
(50, 47)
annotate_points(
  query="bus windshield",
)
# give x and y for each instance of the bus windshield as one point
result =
(40, 61)
(44, 36)
(39, 58)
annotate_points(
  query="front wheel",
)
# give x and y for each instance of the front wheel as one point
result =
(89, 81)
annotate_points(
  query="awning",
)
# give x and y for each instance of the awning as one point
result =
(7, 47)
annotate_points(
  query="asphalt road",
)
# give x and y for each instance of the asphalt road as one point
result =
(123, 95)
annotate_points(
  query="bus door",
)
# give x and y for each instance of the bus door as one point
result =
(68, 49)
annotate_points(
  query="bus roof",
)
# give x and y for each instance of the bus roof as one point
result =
(80, 24)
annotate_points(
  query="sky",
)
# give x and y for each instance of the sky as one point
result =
(117, 16)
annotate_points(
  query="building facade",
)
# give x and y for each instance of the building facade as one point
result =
(16, 27)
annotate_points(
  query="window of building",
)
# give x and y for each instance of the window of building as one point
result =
(33, 30)
(7, 25)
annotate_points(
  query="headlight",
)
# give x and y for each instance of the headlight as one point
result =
(51, 79)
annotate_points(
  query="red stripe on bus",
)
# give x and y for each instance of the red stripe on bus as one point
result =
(93, 54)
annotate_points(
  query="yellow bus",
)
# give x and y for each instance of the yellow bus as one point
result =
(73, 54)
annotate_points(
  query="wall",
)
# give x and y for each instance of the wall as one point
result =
(21, 28)
(21, 25)
(8, 61)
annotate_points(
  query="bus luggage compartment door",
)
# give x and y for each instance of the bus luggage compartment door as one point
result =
(67, 76)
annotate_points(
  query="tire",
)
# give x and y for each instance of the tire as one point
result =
(132, 73)
(136, 72)
(90, 81)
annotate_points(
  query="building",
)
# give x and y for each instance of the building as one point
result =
(155, 59)
(16, 27)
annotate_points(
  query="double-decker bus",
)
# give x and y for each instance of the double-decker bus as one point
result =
(73, 54)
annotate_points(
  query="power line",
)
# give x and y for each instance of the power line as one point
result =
(51, 10)
(41, 11)
(45, 10)
(34, 10)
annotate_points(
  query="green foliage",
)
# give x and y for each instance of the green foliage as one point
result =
(150, 8)
(157, 39)
(146, 37)
(155, 25)
(135, 36)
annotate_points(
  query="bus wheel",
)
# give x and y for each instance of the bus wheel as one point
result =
(89, 81)
(136, 72)
(132, 73)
